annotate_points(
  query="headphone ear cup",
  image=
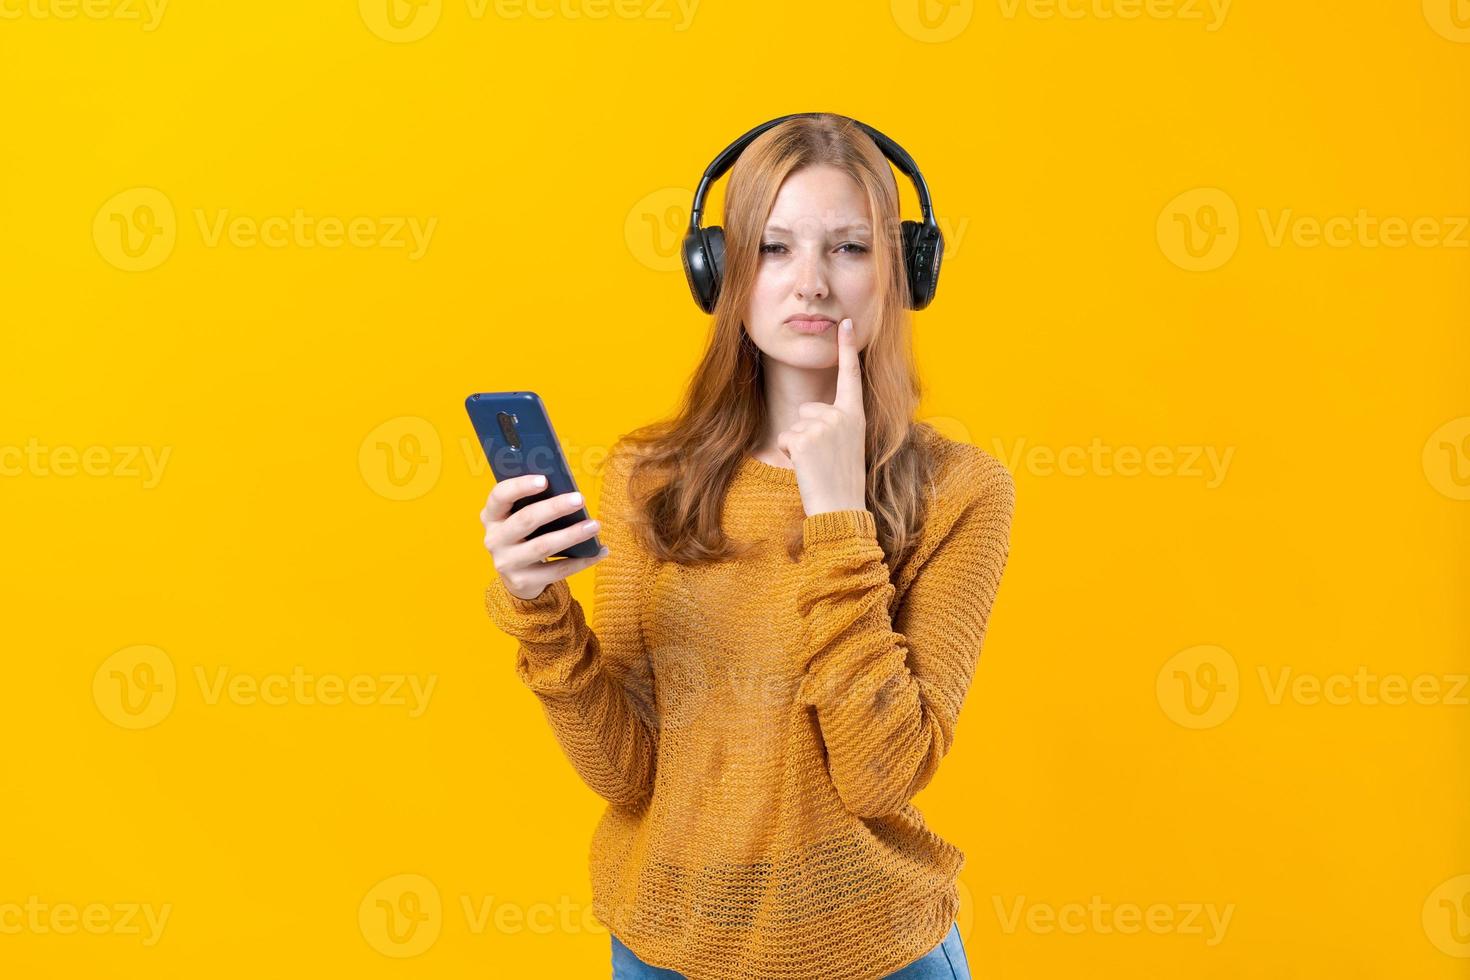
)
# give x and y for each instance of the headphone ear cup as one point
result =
(714, 244)
(704, 264)
(923, 247)
(696, 268)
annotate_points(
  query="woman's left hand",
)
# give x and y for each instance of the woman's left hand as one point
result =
(828, 443)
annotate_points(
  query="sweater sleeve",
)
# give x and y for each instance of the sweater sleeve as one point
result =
(593, 684)
(888, 689)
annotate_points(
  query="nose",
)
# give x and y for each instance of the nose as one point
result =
(811, 276)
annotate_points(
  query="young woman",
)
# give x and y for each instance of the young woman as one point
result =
(788, 615)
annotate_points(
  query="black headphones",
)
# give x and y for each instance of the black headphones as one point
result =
(704, 248)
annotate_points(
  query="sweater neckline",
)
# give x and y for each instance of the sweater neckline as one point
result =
(768, 472)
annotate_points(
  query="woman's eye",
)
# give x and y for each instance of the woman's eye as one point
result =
(856, 248)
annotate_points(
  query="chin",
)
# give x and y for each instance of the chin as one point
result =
(809, 355)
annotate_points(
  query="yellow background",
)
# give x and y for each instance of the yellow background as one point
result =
(555, 154)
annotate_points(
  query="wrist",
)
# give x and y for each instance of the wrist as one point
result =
(831, 506)
(836, 525)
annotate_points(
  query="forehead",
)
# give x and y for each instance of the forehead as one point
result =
(819, 198)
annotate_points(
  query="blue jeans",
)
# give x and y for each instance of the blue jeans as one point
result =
(947, 961)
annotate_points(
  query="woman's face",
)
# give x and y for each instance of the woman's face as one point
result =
(816, 260)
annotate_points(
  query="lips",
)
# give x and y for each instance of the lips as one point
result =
(802, 324)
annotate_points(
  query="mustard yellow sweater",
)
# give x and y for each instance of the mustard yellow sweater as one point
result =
(758, 727)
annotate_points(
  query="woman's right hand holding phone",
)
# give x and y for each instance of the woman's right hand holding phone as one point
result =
(519, 560)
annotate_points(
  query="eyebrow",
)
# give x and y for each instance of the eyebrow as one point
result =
(839, 230)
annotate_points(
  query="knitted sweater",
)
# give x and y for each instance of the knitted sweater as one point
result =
(758, 726)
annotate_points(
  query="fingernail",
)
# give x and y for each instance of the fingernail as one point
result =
(847, 325)
(540, 481)
(575, 498)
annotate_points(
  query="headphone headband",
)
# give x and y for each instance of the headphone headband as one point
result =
(897, 154)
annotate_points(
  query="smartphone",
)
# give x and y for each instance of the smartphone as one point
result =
(516, 434)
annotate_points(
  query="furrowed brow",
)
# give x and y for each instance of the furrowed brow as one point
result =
(839, 230)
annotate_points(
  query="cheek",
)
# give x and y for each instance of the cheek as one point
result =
(858, 285)
(767, 295)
